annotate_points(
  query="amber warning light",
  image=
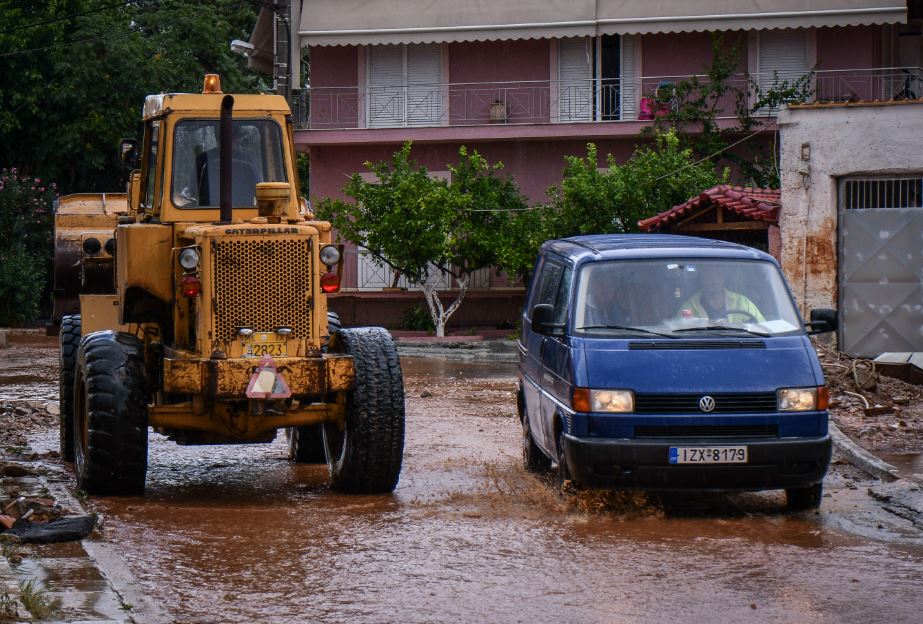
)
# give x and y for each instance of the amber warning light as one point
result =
(212, 84)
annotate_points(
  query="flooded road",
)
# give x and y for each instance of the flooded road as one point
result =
(239, 534)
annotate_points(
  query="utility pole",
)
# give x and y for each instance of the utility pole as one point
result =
(282, 55)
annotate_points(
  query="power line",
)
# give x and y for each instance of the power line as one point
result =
(67, 43)
(67, 17)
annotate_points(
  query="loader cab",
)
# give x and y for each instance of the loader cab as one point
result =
(178, 179)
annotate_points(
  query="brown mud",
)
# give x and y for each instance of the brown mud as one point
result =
(239, 534)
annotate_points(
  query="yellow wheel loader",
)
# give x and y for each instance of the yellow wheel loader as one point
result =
(197, 305)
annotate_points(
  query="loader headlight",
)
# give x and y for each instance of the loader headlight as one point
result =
(330, 255)
(189, 258)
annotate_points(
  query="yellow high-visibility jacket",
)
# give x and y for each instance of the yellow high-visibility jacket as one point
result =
(733, 301)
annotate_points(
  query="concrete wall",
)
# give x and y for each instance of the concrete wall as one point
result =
(857, 139)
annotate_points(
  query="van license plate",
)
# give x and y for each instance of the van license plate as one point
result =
(264, 343)
(708, 454)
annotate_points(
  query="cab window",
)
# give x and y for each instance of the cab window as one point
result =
(257, 156)
(151, 164)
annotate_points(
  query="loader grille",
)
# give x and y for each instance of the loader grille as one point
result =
(262, 284)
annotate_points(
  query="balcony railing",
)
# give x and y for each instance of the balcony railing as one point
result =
(548, 101)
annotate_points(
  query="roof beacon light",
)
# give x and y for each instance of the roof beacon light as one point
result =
(212, 84)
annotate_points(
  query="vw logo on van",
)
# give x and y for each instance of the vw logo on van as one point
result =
(706, 403)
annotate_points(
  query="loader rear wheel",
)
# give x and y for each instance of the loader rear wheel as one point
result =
(110, 410)
(69, 341)
(306, 444)
(364, 453)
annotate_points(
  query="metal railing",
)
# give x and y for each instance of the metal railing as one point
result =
(372, 275)
(549, 101)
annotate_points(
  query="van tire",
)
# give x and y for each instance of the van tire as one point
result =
(111, 420)
(533, 459)
(306, 444)
(563, 473)
(69, 342)
(365, 452)
(805, 498)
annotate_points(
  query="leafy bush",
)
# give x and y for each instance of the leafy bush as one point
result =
(25, 255)
(417, 319)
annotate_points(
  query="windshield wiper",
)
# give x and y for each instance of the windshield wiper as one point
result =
(640, 330)
(721, 328)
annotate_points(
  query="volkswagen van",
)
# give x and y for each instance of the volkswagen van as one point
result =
(671, 362)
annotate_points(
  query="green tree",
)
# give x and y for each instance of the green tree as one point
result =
(25, 228)
(435, 233)
(695, 105)
(76, 73)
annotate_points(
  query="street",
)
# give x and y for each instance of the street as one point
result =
(239, 534)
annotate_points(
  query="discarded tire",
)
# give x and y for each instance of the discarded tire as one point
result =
(110, 409)
(306, 444)
(364, 453)
(69, 342)
(801, 499)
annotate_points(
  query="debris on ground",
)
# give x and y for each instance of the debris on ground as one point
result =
(881, 413)
(18, 419)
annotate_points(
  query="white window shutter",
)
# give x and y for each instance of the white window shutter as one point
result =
(783, 55)
(575, 85)
(424, 84)
(386, 86)
(627, 78)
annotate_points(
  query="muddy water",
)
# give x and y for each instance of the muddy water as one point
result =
(238, 534)
(29, 367)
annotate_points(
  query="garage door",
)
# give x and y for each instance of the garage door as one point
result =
(881, 265)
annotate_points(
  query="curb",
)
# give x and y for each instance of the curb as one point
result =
(477, 350)
(859, 457)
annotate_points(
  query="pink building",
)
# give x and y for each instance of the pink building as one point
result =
(528, 82)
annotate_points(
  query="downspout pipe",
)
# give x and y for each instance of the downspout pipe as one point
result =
(226, 151)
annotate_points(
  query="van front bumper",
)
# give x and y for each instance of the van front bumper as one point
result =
(626, 463)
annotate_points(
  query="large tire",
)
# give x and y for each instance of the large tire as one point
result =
(364, 453)
(333, 326)
(69, 341)
(805, 498)
(110, 408)
(306, 444)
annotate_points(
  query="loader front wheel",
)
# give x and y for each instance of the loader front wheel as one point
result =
(69, 342)
(306, 444)
(110, 415)
(364, 452)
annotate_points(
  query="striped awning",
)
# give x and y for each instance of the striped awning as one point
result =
(369, 22)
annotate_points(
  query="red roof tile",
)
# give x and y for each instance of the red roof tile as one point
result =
(756, 204)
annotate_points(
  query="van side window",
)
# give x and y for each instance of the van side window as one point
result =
(560, 301)
(550, 284)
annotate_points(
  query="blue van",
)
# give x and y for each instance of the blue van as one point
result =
(671, 362)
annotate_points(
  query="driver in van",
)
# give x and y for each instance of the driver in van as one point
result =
(714, 301)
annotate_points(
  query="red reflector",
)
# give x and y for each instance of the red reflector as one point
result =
(191, 286)
(330, 282)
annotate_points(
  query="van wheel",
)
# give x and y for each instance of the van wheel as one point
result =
(533, 459)
(563, 474)
(364, 452)
(69, 341)
(306, 444)
(110, 415)
(801, 499)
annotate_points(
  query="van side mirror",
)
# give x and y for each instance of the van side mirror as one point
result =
(543, 320)
(129, 154)
(823, 320)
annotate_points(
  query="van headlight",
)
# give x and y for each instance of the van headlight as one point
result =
(612, 401)
(803, 399)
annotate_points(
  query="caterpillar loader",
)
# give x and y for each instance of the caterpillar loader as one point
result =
(197, 306)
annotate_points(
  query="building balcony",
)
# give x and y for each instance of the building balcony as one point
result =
(497, 110)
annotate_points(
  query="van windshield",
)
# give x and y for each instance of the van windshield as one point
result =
(678, 297)
(256, 157)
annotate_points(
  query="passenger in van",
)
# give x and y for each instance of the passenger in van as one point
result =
(714, 301)
(604, 306)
